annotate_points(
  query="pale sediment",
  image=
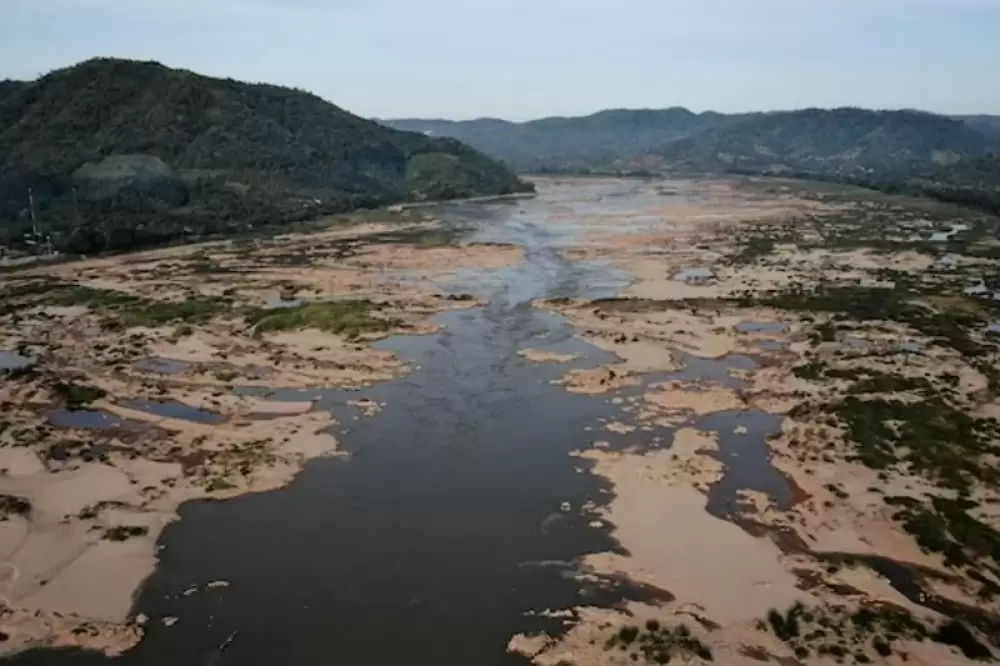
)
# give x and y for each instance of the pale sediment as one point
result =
(726, 577)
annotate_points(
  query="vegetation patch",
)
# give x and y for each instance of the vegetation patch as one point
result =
(219, 484)
(658, 644)
(944, 526)
(931, 436)
(350, 318)
(12, 505)
(126, 309)
(77, 396)
(191, 311)
(957, 634)
(862, 634)
(125, 532)
(949, 329)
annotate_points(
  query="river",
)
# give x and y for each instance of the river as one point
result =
(446, 523)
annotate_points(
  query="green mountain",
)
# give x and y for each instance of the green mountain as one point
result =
(8, 87)
(613, 139)
(120, 154)
(989, 125)
(826, 141)
(843, 142)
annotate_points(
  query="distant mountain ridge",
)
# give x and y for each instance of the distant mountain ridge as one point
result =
(604, 139)
(845, 142)
(120, 154)
(987, 124)
(827, 141)
(953, 159)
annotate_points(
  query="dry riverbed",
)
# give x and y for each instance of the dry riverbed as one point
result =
(878, 358)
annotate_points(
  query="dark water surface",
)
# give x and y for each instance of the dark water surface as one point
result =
(89, 419)
(443, 527)
(174, 410)
(161, 366)
(10, 360)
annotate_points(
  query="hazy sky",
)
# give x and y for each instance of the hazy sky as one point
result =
(522, 59)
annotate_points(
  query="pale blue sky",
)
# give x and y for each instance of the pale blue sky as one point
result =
(522, 59)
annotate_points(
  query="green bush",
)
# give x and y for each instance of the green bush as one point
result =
(350, 318)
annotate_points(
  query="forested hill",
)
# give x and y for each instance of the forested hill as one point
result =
(613, 139)
(7, 87)
(848, 140)
(989, 125)
(121, 154)
(836, 142)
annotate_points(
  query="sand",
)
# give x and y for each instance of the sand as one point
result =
(678, 396)
(716, 570)
(542, 356)
(675, 545)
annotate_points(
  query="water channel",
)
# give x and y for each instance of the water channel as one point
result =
(431, 541)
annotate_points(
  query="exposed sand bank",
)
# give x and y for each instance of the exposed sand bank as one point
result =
(727, 577)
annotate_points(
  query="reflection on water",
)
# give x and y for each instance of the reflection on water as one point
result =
(174, 410)
(762, 327)
(161, 366)
(711, 370)
(89, 419)
(744, 451)
(13, 361)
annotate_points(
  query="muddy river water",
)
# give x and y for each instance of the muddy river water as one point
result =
(447, 521)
